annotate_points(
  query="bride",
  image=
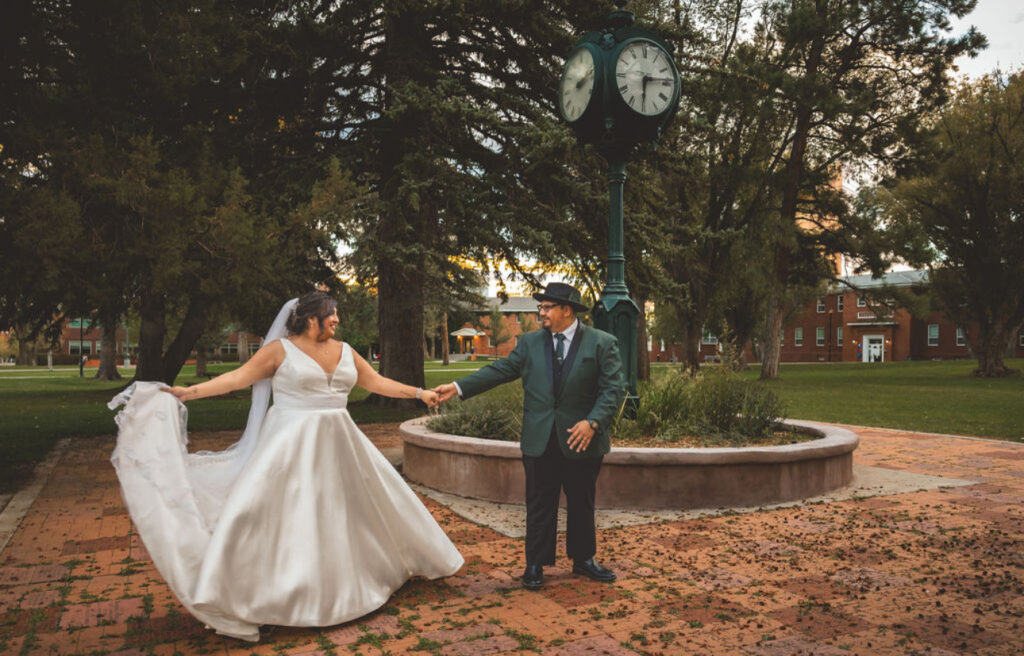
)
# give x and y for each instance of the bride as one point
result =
(302, 522)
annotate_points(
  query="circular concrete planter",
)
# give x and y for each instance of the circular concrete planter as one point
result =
(643, 478)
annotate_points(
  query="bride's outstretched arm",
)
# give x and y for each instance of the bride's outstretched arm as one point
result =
(262, 364)
(372, 381)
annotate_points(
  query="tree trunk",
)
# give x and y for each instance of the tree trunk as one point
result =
(444, 339)
(427, 355)
(26, 347)
(400, 324)
(243, 347)
(26, 353)
(993, 342)
(643, 356)
(773, 331)
(690, 346)
(108, 352)
(201, 361)
(152, 329)
(189, 333)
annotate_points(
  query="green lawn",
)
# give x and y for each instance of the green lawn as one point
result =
(936, 397)
(38, 407)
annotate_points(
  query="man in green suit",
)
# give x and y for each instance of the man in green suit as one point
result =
(573, 386)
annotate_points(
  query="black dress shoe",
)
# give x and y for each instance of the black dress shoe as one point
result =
(533, 577)
(592, 570)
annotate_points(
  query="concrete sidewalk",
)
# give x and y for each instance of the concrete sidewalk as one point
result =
(938, 571)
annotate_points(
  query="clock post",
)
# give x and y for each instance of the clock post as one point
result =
(619, 88)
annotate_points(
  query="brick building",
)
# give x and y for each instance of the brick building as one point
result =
(79, 336)
(858, 326)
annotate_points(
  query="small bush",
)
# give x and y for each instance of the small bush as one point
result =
(497, 415)
(716, 403)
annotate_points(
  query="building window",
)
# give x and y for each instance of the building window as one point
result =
(798, 337)
(933, 334)
(819, 336)
(839, 302)
(76, 347)
(839, 336)
(782, 337)
(229, 348)
(961, 338)
(79, 323)
(821, 305)
(253, 347)
(708, 338)
(862, 302)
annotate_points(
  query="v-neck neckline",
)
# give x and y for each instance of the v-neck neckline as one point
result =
(328, 374)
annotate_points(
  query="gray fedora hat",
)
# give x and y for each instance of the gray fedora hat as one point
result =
(559, 292)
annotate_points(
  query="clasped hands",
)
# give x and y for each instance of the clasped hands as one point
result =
(579, 435)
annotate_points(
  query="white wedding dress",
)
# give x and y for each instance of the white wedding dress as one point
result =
(314, 528)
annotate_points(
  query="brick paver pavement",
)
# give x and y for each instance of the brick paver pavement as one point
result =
(937, 572)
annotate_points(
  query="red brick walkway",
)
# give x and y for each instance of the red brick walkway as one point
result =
(936, 572)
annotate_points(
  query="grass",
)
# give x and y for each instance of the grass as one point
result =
(933, 397)
(38, 407)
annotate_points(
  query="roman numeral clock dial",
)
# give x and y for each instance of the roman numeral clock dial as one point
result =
(645, 78)
(577, 86)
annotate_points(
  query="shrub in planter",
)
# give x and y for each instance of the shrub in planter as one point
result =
(716, 403)
(497, 415)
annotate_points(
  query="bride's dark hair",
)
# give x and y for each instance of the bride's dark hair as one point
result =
(314, 304)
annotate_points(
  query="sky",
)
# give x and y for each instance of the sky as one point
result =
(1002, 22)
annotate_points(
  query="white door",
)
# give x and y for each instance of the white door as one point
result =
(874, 348)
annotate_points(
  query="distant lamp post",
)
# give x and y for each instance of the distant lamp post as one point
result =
(619, 88)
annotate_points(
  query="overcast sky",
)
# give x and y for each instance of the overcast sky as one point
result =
(1002, 22)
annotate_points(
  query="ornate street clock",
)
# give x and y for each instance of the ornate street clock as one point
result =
(619, 88)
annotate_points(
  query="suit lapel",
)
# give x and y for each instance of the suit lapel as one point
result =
(549, 359)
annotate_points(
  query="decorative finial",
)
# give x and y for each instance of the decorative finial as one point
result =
(620, 17)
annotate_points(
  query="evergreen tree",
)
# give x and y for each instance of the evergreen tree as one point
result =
(447, 111)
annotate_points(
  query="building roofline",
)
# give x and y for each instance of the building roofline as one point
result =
(889, 279)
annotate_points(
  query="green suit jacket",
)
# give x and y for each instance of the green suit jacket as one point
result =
(592, 386)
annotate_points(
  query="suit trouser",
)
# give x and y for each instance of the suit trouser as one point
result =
(546, 476)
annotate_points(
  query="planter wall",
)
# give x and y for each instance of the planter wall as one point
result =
(643, 478)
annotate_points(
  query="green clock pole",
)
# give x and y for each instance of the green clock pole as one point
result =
(616, 312)
(598, 96)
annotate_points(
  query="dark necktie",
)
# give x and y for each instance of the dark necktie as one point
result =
(560, 347)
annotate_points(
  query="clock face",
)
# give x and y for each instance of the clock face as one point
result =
(577, 84)
(645, 78)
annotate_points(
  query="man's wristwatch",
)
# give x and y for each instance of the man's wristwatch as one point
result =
(593, 424)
